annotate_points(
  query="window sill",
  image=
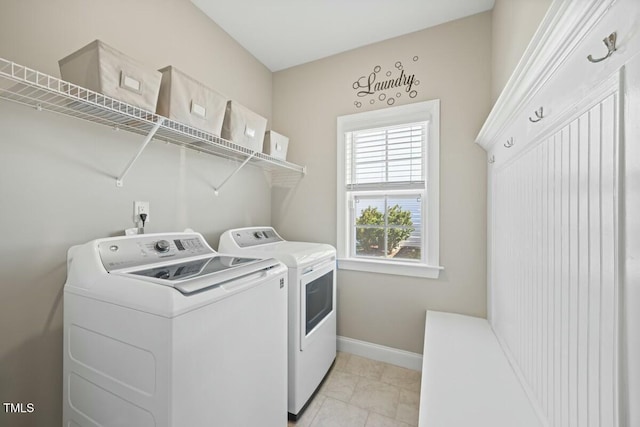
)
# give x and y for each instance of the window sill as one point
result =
(386, 267)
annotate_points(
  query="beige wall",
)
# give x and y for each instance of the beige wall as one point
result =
(57, 174)
(514, 24)
(454, 65)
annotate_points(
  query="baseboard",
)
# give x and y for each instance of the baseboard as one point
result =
(381, 353)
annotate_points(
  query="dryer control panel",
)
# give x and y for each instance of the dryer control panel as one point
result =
(254, 236)
(135, 251)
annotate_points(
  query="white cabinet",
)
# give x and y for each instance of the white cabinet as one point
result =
(563, 295)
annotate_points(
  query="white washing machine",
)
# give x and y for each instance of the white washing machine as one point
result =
(312, 304)
(160, 330)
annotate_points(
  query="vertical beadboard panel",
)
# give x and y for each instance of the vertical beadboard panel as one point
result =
(583, 263)
(557, 280)
(574, 174)
(565, 226)
(554, 268)
(608, 263)
(594, 267)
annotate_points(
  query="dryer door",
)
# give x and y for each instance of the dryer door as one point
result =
(317, 299)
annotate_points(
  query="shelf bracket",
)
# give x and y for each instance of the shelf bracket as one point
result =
(147, 140)
(216, 189)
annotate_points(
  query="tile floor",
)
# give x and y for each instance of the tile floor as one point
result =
(361, 392)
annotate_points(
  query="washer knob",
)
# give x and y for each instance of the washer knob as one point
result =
(258, 234)
(162, 246)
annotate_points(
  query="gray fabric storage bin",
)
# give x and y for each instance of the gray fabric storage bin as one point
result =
(243, 127)
(103, 69)
(188, 101)
(275, 145)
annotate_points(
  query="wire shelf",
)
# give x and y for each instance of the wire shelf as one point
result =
(29, 87)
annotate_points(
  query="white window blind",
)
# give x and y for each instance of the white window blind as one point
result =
(386, 158)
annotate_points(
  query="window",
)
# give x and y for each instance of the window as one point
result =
(388, 190)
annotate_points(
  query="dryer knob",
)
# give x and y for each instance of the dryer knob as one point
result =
(162, 246)
(258, 234)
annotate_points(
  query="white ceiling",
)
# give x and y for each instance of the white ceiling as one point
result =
(284, 33)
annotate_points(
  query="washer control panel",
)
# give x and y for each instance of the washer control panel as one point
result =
(135, 251)
(247, 237)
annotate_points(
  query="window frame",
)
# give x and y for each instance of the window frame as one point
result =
(428, 267)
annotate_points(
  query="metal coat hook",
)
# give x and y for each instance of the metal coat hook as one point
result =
(492, 160)
(610, 43)
(539, 116)
(509, 143)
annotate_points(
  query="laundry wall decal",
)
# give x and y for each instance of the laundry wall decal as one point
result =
(385, 87)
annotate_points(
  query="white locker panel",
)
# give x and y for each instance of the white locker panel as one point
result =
(554, 258)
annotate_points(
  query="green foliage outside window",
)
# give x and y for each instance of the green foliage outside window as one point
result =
(371, 240)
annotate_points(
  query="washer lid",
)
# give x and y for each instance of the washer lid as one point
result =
(198, 274)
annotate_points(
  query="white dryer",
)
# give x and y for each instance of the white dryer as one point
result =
(312, 304)
(160, 330)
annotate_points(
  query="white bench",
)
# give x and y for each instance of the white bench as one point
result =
(467, 379)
